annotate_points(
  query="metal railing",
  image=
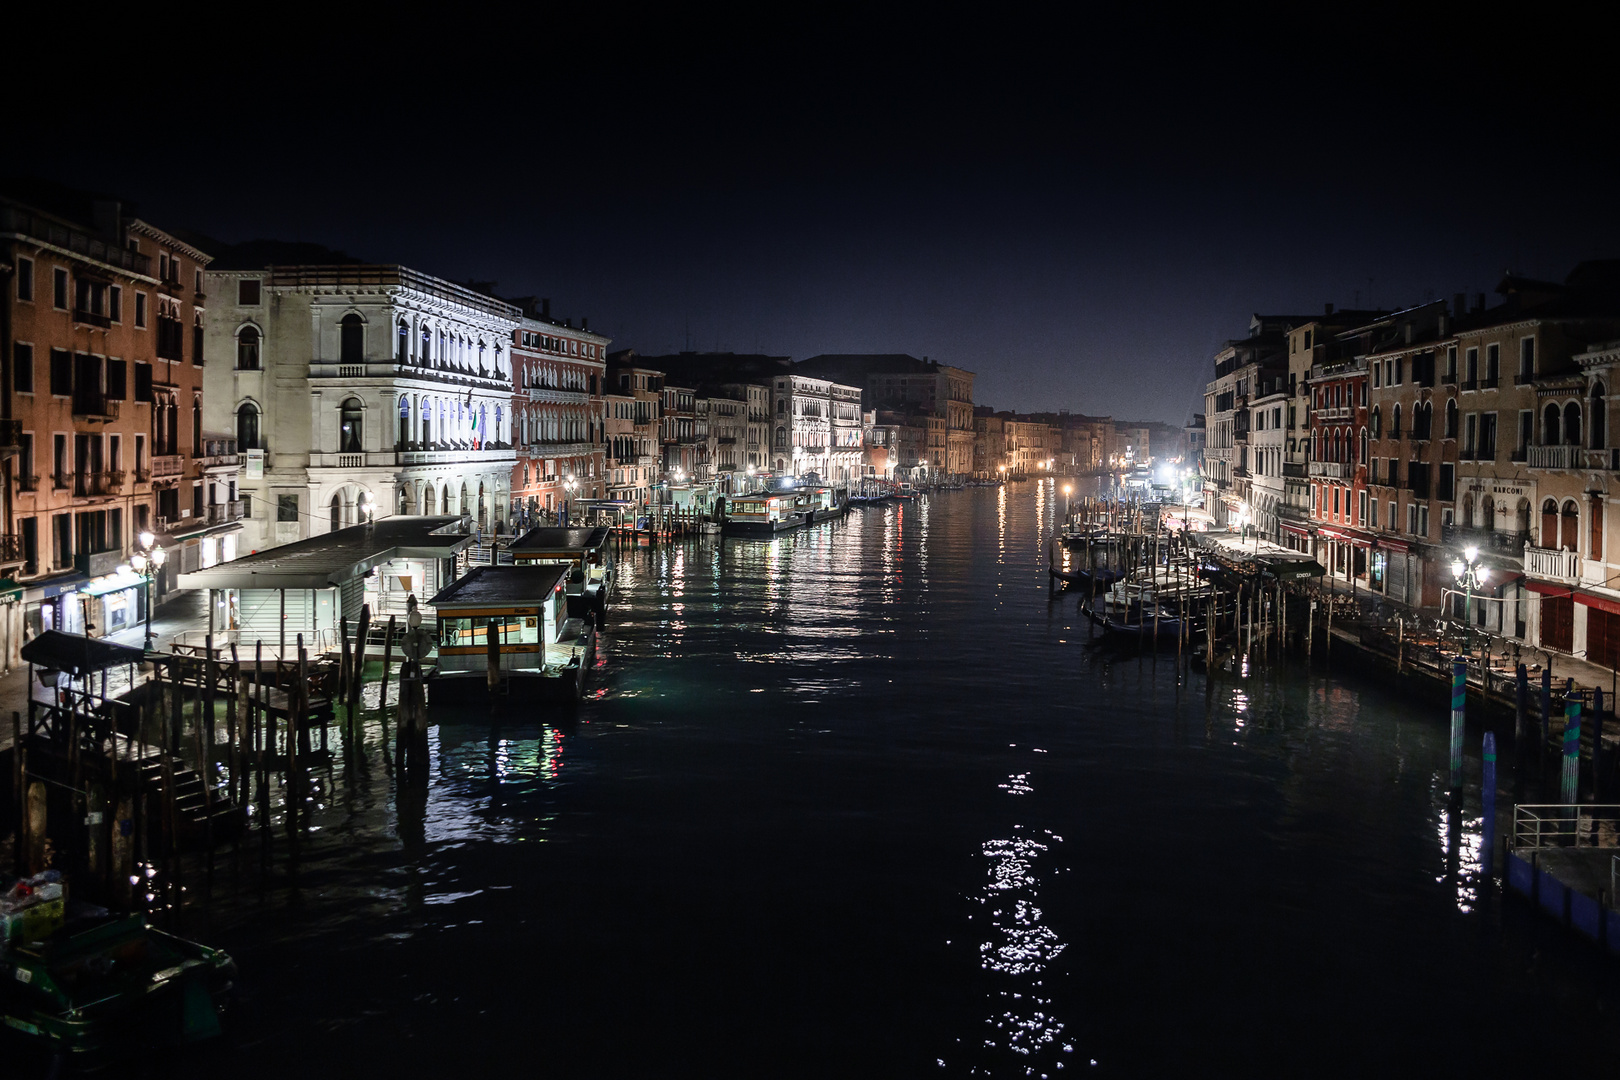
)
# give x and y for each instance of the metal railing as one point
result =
(1538, 825)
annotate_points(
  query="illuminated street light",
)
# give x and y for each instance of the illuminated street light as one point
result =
(1470, 575)
(147, 560)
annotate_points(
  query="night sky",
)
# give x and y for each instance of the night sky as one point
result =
(1081, 210)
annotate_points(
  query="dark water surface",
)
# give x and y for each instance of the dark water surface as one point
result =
(860, 801)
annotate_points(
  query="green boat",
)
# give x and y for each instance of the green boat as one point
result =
(103, 987)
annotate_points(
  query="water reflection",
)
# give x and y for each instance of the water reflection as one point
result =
(1022, 1036)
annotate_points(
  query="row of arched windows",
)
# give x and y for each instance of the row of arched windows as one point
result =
(434, 422)
(550, 423)
(442, 347)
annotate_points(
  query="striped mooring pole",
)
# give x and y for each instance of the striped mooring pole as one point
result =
(1487, 791)
(1459, 703)
(1572, 749)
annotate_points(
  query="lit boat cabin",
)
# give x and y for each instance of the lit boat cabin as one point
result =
(585, 550)
(761, 508)
(526, 603)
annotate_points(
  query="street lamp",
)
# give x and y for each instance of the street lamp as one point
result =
(147, 560)
(570, 485)
(367, 507)
(1470, 575)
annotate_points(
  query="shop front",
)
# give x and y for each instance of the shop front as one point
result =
(113, 602)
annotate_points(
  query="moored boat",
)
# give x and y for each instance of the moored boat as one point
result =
(502, 628)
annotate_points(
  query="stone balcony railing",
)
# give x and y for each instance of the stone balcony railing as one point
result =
(1552, 564)
(168, 465)
(1503, 541)
(1554, 457)
(1332, 470)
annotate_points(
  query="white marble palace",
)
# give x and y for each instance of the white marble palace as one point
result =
(353, 382)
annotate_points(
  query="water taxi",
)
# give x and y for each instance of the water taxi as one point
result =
(507, 627)
(587, 555)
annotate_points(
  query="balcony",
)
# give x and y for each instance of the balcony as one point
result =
(442, 457)
(28, 483)
(1552, 564)
(219, 454)
(1332, 470)
(1509, 542)
(1489, 383)
(1554, 457)
(90, 318)
(168, 465)
(10, 436)
(94, 407)
(224, 513)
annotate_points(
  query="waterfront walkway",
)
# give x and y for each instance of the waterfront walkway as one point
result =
(181, 612)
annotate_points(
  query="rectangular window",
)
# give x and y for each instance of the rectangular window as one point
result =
(25, 279)
(1527, 421)
(1487, 436)
(61, 540)
(140, 455)
(1335, 504)
(1400, 370)
(115, 452)
(1423, 520)
(117, 385)
(1527, 358)
(115, 303)
(59, 288)
(22, 368)
(1470, 436)
(1471, 370)
(1411, 518)
(59, 461)
(61, 372)
(1361, 509)
(1493, 363)
(1372, 513)
(143, 381)
(247, 292)
(140, 310)
(286, 507)
(1448, 482)
(1451, 363)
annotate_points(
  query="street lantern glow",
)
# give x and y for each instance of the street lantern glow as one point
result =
(146, 539)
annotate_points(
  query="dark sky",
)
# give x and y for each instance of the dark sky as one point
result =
(1079, 209)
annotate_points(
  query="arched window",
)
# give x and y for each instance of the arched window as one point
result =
(1468, 511)
(1572, 425)
(1377, 423)
(427, 500)
(1549, 524)
(404, 502)
(1549, 425)
(1599, 422)
(781, 407)
(350, 435)
(1569, 526)
(1395, 422)
(1521, 518)
(1451, 419)
(404, 343)
(404, 421)
(427, 423)
(1363, 456)
(352, 340)
(426, 356)
(336, 511)
(247, 426)
(1487, 507)
(247, 349)
(196, 428)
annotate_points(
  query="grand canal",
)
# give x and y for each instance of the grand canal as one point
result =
(862, 801)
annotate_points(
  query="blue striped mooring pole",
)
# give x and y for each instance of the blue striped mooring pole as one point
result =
(1572, 746)
(1487, 791)
(1459, 703)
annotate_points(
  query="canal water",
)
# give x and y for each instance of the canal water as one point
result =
(863, 801)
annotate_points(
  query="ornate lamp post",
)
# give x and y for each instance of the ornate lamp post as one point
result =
(147, 560)
(1470, 575)
(570, 485)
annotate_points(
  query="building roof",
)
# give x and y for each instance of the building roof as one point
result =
(548, 538)
(321, 562)
(501, 586)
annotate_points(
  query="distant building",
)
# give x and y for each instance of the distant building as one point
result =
(559, 412)
(902, 383)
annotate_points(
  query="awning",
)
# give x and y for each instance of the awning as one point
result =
(1297, 530)
(112, 583)
(75, 654)
(1580, 596)
(56, 586)
(10, 591)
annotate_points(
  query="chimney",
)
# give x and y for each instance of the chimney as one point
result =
(1407, 330)
(545, 307)
(1444, 325)
(1329, 309)
(584, 323)
(1459, 304)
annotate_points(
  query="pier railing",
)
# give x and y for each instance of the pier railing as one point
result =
(1538, 825)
